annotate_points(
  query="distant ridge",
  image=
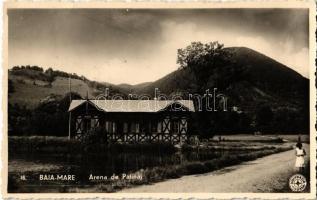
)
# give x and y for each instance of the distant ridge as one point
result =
(261, 79)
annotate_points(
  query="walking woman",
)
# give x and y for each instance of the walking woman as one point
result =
(300, 153)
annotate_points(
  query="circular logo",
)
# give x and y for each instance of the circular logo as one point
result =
(297, 183)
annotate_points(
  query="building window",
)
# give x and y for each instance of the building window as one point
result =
(166, 125)
(110, 127)
(137, 127)
(133, 127)
(87, 123)
(125, 127)
(79, 125)
(183, 125)
(144, 127)
(159, 127)
(107, 125)
(175, 126)
(95, 122)
(153, 127)
(114, 127)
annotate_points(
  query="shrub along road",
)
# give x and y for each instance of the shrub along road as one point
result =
(267, 174)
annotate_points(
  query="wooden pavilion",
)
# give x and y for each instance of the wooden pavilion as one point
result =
(130, 121)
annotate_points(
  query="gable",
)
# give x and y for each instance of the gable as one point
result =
(175, 107)
(83, 105)
(136, 105)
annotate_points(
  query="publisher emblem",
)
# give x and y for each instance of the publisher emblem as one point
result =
(297, 183)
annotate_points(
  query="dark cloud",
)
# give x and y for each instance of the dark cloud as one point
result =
(97, 30)
(122, 28)
(96, 37)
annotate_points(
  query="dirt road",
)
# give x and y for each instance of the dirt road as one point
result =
(262, 175)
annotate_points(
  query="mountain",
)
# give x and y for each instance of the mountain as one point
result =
(265, 94)
(259, 79)
(128, 88)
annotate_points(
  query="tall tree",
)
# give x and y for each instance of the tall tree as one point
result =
(202, 59)
(10, 86)
(208, 63)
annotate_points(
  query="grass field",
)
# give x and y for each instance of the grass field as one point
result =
(30, 92)
(150, 162)
(263, 138)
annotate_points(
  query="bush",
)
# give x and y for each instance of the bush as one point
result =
(173, 172)
(92, 137)
(47, 144)
(212, 165)
(91, 143)
(196, 168)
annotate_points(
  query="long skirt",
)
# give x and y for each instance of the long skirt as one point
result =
(299, 161)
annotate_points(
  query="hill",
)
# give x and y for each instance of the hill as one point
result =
(30, 86)
(262, 93)
(259, 79)
(256, 79)
(128, 88)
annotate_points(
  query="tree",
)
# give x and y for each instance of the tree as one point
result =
(209, 64)
(15, 68)
(49, 72)
(264, 117)
(202, 60)
(37, 68)
(65, 101)
(10, 86)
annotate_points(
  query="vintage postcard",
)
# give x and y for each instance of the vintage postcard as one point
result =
(159, 100)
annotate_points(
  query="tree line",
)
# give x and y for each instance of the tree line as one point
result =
(47, 75)
(48, 118)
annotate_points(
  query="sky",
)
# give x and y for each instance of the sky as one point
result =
(134, 46)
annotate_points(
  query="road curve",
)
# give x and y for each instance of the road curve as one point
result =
(265, 174)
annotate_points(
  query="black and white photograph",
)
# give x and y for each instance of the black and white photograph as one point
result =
(159, 100)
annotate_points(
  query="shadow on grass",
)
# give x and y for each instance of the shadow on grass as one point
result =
(305, 173)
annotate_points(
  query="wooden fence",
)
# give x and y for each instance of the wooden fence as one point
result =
(142, 138)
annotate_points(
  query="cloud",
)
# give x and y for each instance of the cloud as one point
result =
(285, 52)
(111, 45)
(299, 61)
(255, 43)
(179, 35)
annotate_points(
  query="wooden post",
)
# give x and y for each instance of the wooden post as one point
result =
(69, 125)
(70, 113)
(87, 103)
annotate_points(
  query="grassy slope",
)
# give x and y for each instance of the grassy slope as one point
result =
(26, 93)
